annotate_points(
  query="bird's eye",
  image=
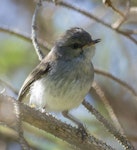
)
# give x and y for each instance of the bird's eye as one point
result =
(75, 45)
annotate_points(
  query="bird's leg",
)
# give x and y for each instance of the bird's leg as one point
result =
(72, 118)
(77, 122)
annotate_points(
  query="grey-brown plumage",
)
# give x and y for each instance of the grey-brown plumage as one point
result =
(36, 74)
(63, 78)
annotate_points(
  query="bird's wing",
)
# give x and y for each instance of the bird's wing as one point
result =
(36, 74)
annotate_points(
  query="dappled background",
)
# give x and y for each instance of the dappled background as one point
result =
(116, 54)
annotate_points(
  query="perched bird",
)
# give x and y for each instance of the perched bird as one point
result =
(64, 77)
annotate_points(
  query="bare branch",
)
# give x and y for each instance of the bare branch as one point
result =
(120, 21)
(109, 4)
(23, 36)
(15, 32)
(124, 84)
(50, 124)
(108, 107)
(128, 31)
(34, 33)
(121, 138)
(23, 142)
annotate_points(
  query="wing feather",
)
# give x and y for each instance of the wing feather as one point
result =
(36, 74)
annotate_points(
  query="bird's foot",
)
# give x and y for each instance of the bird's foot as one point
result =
(82, 131)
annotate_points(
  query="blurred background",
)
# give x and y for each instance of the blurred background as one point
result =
(115, 54)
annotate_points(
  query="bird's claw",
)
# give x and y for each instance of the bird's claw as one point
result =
(83, 132)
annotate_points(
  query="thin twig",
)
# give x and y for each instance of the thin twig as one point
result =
(124, 84)
(23, 36)
(118, 11)
(121, 138)
(108, 107)
(126, 35)
(120, 21)
(34, 31)
(128, 31)
(109, 3)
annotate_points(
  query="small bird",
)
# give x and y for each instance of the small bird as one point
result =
(64, 77)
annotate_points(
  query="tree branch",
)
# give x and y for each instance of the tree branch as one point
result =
(109, 4)
(121, 138)
(120, 21)
(50, 124)
(34, 32)
(96, 89)
(124, 84)
(25, 37)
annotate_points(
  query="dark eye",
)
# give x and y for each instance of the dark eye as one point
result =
(76, 45)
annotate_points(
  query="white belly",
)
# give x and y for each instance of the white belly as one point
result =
(63, 88)
(59, 97)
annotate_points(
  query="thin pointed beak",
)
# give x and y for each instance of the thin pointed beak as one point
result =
(95, 41)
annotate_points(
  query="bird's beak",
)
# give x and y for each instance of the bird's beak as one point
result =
(93, 42)
(96, 41)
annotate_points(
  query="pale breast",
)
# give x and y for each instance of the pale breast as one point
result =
(64, 88)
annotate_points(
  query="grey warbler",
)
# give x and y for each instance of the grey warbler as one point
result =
(63, 78)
